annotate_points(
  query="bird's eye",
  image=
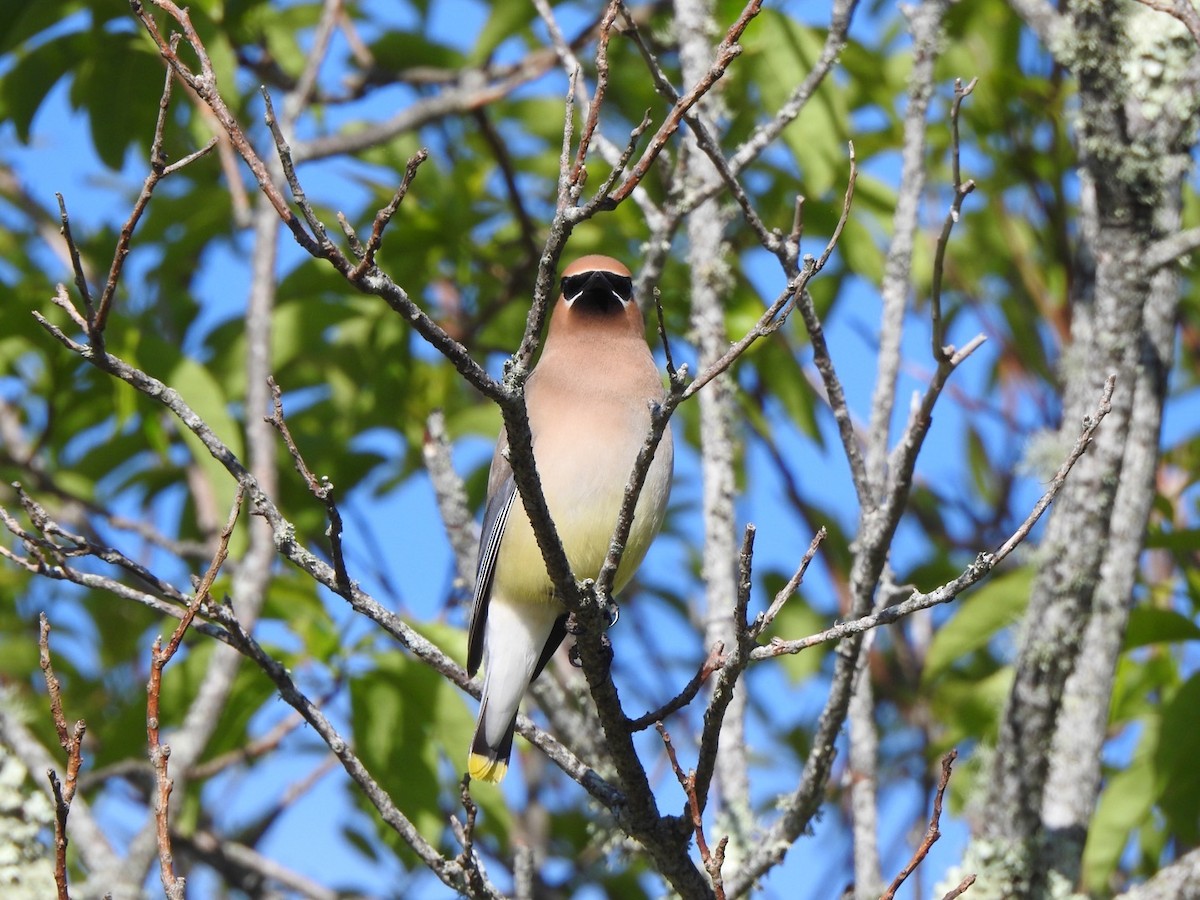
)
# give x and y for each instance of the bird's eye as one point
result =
(573, 285)
(621, 285)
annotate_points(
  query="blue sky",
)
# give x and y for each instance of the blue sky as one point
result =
(56, 161)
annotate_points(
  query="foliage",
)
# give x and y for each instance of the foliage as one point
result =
(360, 387)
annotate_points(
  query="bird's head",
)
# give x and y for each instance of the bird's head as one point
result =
(597, 284)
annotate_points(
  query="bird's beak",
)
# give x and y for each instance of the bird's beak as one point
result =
(597, 288)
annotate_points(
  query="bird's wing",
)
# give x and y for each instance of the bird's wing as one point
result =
(502, 490)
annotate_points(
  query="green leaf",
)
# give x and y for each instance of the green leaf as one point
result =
(25, 87)
(200, 389)
(1179, 776)
(968, 706)
(980, 616)
(1179, 540)
(120, 65)
(1154, 625)
(796, 620)
(504, 21)
(411, 725)
(22, 21)
(1124, 804)
(779, 53)
(397, 51)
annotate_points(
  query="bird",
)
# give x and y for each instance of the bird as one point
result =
(589, 400)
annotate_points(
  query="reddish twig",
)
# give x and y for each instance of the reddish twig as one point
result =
(321, 488)
(712, 859)
(367, 261)
(714, 661)
(204, 84)
(72, 743)
(159, 169)
(160, 753)
(318, 245)
(578, 171)
(931, 834)
(960, 889)
(727, 52)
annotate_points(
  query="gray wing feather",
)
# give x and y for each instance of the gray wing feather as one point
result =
(494, 519)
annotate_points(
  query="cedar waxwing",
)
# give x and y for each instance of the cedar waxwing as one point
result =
(589, 400)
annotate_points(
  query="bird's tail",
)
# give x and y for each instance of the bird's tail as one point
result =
(520, 642)
(488, 762)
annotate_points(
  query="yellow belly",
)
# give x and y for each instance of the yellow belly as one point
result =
(584, 508)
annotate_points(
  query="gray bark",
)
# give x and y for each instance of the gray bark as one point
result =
(710, 283)
(1045, 774)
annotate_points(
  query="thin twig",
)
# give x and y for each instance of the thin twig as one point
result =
(158, 170)
(736, 662)
(712, 859)
(578, 171)
(367, 261)
(795, 294)
(763, 621)
(464, 831)
(662, 336)
(72, 744)
(960, 889)
(451, 496)
(974, 573)
(321, 488)
(160, 753)
(81, 284)
(714, 661)
(961, 190)
(327, 249)
(727, 51)
(931, 834)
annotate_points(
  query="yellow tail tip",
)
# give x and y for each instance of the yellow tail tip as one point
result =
(482, 768)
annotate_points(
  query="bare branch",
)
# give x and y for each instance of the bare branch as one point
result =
(227, 857)
(158, 170)
(960, 889)
(713, 859)
(1171, 248)
(835, 41)
(72, 744)
(451, 496)
(77, 266)
(925, 23)
(796, 294)
(464, 831)
(367, 261)
(321, 488)
(763, 621)
(931, 834)
(727, 51)
(974, 573)
(159, 752)
(714, 661)
(961, 189)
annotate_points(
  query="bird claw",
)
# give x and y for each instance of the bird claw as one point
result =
(605, 647)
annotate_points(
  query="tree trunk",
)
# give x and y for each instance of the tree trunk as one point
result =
(1046, 771)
